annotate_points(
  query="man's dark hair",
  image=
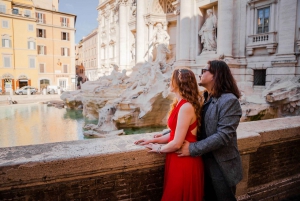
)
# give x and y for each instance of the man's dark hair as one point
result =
(224, 81)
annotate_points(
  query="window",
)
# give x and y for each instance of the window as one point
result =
(42, 68)
(30, 27)
(63, 84)
(31, 62)
(6, 42)
(41, 33)
(4, 24)
(41, 18)
(65, 70)
(259, 77)
(65, 51)
(2, 8)
(64, 21)
(65, 36)
(42, 50)
(27, 13)
(263, 20)
(15, 11)
(6, 61)
(31, 45)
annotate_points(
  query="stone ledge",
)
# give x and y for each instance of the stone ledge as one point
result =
(57, 162)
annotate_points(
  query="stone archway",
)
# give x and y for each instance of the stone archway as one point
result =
(22, 81)
(8, 82)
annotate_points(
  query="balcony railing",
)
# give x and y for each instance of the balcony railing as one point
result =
(263, 40)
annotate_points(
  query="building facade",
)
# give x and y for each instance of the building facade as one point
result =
(37, 45)
(259, 39)
(18, 61)
(90, 55)
(55, 33)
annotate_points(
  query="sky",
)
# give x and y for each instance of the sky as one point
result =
(86, 11)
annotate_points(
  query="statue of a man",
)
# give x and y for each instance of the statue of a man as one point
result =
(161, 42)
(208, 32)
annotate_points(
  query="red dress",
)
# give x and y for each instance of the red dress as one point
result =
(184, 176)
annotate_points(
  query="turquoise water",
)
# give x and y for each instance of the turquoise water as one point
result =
(38, 124)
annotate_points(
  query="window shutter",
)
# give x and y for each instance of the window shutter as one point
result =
(67, 22)
(45, 50)
(68, 51)
(38, 49)
(44, 33)
(62, 51)
(34, 46)
(37, 32)
(68, 37)
(44, 18)
(36, 15)
(62, 35)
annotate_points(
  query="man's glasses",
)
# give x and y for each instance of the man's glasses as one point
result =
(204, 70)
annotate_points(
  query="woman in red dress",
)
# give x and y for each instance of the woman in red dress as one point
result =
(184, 177)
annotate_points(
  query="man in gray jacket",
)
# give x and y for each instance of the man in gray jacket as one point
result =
(217, 136)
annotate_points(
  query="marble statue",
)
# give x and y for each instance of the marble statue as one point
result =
(160, 42)
(208, 32)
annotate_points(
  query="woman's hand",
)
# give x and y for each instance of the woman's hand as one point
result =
(153, 147)
(144, 141)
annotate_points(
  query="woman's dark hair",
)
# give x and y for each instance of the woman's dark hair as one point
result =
(224, 81)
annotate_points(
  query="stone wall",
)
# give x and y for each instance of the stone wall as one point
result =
(116, 169)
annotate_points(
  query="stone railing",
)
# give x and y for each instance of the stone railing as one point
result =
(267, 40)
(116, 169)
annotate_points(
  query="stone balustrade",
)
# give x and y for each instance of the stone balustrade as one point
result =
(263, 40)
(116, 169)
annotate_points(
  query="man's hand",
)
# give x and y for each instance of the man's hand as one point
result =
(184, 150)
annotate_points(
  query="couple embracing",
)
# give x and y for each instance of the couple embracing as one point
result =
(202, 158)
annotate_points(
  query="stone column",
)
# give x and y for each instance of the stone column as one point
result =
(225, 28)
(122, 33)
(150, 35)
(165, 25)
(140, 31)
(184, 33)
(176, 4)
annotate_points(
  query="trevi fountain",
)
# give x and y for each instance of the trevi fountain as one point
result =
(155, 37)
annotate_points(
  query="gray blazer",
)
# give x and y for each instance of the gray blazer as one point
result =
(221, 121)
